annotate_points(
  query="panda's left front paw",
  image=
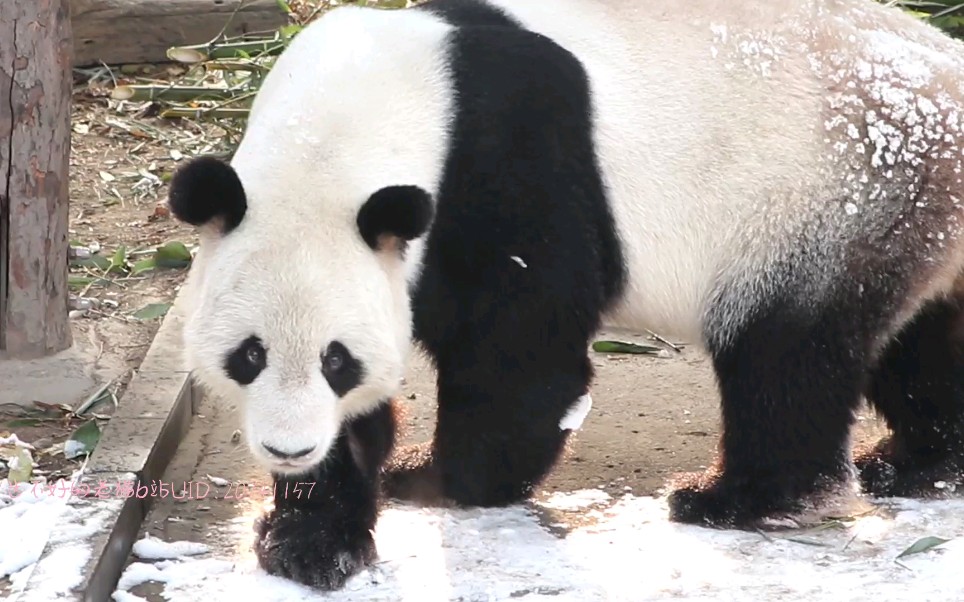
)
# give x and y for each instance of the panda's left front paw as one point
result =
(294, 544)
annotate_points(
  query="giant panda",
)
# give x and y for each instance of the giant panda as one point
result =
(491, 181)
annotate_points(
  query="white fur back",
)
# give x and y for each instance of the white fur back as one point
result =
(331, 128)
(710, 133)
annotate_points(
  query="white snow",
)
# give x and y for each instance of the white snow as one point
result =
(25, 523)
(30, 516)
(14, 441)
(628, 551)
(73, 448)
(156, 549)
(218, 481)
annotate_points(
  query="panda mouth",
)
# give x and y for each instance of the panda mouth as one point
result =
(290, 466)
(306, 462)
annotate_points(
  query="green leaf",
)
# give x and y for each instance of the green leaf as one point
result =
(143, 265)
(83, 440)
(74, 281)
(284, 6)
(923, 544)
(172, 255)
(118, 262)
(152, 311)
(623, 347)
(101, 395)
(98, 262)
(289, 31)
(22, 422)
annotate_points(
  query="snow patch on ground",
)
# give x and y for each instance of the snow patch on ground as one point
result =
(630, 553)
(576, 500)
(31, 515)
(27, 515)
(156, 549)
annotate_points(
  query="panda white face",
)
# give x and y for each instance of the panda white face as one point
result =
(301, 333)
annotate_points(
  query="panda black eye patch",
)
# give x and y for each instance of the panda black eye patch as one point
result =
(246, 362)
(341, 369)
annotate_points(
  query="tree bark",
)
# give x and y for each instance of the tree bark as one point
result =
(35, 89)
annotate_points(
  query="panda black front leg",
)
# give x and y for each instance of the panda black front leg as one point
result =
(319, 532)
(498, 433)
(790, 381)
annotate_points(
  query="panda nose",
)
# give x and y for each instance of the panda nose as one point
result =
(287, 455)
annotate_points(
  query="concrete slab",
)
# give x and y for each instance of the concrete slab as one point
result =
(66, 377)
(134, 451)
(70, 376)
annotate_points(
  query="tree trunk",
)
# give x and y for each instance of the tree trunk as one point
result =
(35, 88)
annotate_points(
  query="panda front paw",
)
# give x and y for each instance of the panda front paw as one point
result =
(294, 544)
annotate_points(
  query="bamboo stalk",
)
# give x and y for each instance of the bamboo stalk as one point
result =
(232, 50)
(171, 93)
(237, 66)
(200, 113)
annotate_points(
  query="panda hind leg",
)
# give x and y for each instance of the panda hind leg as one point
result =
(790, 382)
(918, 388)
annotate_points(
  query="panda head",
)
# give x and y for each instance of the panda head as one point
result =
(300, 315)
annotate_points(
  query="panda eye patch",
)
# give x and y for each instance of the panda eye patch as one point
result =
(341, 369)
(246, 362)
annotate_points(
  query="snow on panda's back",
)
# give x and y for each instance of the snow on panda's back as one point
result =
(731, 134)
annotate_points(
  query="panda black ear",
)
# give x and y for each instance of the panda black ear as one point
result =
(395, 212)
(207, 191)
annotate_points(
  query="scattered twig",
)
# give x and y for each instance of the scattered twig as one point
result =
(657, 337)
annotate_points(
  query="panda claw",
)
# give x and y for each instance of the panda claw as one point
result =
(289, 545)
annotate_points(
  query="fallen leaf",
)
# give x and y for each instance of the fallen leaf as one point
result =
(23, 422)
(83, 440)
(161, 211)
(623, 347)
(151, 311)
(100, 395)
(173, 255)
(143, 266)
(922, 545)
(106, 176)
